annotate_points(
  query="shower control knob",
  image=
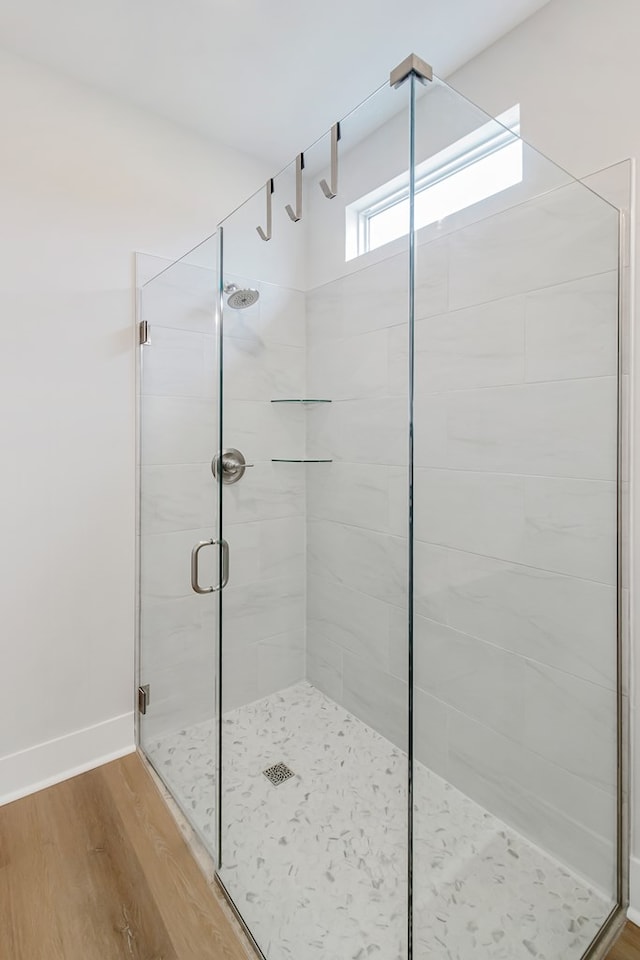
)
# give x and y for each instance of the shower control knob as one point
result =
(233, 465)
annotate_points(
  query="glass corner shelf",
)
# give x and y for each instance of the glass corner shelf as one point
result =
(297, 460)
(300, 400)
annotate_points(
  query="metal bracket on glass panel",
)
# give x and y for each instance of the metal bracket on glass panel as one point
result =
(296, 214)
(267, 235)
(144, 335)
(412, 65)
(331, 191)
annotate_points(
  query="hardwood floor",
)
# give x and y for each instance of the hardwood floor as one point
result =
(96, 869)
(628, 946)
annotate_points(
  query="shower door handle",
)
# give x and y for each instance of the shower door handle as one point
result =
(195, 553)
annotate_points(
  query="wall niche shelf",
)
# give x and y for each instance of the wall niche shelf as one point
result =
(301, 400)
(296, 460)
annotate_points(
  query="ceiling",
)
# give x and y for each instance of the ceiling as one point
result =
(264, 76)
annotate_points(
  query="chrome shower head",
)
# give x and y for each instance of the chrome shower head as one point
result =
(239, 299)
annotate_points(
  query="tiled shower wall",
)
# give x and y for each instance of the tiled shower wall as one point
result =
(515, 513)
(263, 514)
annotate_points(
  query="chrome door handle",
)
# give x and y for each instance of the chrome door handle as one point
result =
(195, 585)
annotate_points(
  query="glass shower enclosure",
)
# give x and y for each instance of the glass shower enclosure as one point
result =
(380, 657)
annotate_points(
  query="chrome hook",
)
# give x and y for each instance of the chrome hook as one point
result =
(296, 215)
(269, 189)
(331, 191)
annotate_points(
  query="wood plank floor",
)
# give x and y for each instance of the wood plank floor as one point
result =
(628, 946)
(96, 869)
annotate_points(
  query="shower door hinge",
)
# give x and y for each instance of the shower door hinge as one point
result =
(144, 333)
(144, 698)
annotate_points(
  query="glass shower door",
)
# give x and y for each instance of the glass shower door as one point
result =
(178, 564)
(314, 696)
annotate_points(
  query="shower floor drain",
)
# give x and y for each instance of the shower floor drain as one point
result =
(278, 773)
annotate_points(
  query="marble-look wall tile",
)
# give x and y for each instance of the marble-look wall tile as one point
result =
(561, 621)
(176, 496)
(178, 364)
(264, 431)
(479, 346)
(165, 563)
(261, 370)
(183, 297)
(280, 661)
(564, 235)
(324, 664)
(177, 430)
(377, 698)
(572, 329)
(557, 524)
(277, 318)
(355, 493)
(367, 561)
(556, 809)
(177, 659)
(348, 618)
(263, 609)
(568, 721)
(431, 732)
(268, 491)
(555, 429)
(361, 431)
(352, 367)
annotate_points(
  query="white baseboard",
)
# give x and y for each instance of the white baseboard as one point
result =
(47, 763)
(634, 890)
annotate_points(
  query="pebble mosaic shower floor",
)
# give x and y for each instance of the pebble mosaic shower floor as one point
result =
(317, 865)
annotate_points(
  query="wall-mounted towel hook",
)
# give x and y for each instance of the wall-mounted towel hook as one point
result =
(331, 191)
(269, 189)
(296, 214)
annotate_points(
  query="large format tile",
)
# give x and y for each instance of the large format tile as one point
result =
(280, 661)
(355, 493)
(563, 235)
(261, 609)
(572, 329)
(177, 496)
(277, 318)
(354, 621)
(352, 367)
(324, 664)
(165, 563)
(361, 431)
(480, 346)
(557, 429)
(555, 809)
(376, 698)
(255, 370)
(264, 431)
(373, 563)
(182, 297)
(178, 430)
(560, 621)
(179, 363)
(557, 524)
(568, 721)
(266, 492)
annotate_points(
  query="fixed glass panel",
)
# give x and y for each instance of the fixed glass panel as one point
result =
(178, 440)
(515, 551)
(314, 794)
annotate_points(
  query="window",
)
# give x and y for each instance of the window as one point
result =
(470, 170)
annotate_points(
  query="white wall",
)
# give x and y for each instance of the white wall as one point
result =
(84, 182)
(574, 69)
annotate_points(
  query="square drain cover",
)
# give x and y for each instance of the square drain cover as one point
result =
(278, 773)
